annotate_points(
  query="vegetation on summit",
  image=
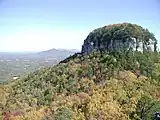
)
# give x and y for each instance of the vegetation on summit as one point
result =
(122, 31)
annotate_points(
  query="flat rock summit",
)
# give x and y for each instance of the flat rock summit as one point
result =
(120, 36)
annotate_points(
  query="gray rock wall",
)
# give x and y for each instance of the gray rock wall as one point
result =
(132, 43)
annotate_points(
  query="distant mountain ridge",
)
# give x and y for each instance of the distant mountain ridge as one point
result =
(42, 54)
(56, 53)
(14, 63)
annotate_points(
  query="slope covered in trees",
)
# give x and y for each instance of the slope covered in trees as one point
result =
(98, 86)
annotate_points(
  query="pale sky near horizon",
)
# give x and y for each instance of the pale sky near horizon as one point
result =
(37, 25)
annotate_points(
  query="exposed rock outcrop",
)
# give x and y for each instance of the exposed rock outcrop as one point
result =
(118, 37)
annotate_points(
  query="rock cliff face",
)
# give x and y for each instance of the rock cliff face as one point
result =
(118, 37)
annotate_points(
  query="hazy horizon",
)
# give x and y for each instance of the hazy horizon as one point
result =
(28, 52)
(38, 25)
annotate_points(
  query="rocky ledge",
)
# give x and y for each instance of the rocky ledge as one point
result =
(119, 37)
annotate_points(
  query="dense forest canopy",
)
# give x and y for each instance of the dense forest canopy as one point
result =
(123, 31)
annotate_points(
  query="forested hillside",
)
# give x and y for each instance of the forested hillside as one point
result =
(102, 85)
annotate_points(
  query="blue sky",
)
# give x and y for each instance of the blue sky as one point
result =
(36, 25)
